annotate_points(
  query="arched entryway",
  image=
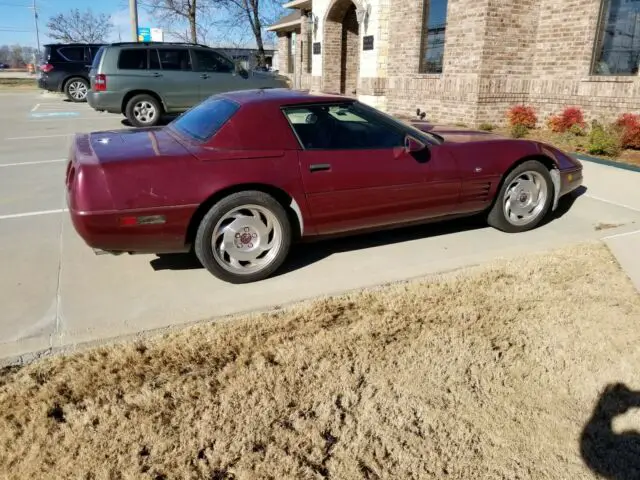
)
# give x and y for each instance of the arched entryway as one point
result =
(341, 55)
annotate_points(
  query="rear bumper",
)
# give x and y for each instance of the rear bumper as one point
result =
(104, 232)
(105, 101)
(47, 83)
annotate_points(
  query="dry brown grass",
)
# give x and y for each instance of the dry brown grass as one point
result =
(18, 84)
(490, 372)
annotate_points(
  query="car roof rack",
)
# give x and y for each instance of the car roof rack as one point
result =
(118, 44)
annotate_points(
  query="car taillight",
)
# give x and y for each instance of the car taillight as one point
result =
(46, 68)
(100, 83)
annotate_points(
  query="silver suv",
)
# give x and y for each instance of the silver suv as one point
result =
(145, 80)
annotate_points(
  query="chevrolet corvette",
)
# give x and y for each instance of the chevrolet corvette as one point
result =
(243, 175)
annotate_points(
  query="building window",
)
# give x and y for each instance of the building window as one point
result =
(433, 34)
(617, 48)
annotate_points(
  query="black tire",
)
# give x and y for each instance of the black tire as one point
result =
(497, 217)
(138, 99)
(72, 86)
(203, 243)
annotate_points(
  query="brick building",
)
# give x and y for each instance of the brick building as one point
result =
(467, 60)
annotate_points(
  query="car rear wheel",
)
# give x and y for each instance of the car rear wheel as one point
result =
(143, 111)
(524, 199)
(244, 238)
(76, 89)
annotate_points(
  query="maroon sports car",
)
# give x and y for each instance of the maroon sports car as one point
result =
(241, 176)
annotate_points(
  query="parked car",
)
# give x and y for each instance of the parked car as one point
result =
(244, 174)
(4, 66)
(145, 80)
(65, 68)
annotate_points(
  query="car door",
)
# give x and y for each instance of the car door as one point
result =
(216, 73)
(357, 172)
(180, 84)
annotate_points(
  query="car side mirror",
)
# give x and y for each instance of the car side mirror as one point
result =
(240, 71)
(412, 145)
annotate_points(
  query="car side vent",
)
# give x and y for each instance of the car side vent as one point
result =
(476, 191)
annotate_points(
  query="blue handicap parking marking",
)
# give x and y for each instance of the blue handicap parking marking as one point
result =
(54, 114)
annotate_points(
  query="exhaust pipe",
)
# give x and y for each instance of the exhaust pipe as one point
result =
(99, 251)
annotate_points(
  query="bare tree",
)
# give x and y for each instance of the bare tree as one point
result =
(171, 12)
(77, 26)
(256, 13)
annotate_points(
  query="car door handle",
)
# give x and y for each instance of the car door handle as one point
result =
(204, 75)
(319, 167)
(156, 74)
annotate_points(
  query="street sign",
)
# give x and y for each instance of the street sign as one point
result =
(144, 34)
(157, 35)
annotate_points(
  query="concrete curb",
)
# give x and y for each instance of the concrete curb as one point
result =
(608, 163)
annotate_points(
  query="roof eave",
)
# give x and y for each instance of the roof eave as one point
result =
(285, 27)
(298, 4)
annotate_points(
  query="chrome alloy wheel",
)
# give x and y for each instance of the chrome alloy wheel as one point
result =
(144, 111)
(246, 239)
(525, 198)
(78, 90)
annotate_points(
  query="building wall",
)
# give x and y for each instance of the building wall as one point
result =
(497, 53)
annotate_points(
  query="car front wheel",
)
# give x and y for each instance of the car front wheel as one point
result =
(143, 111)
(524, 199)
(244, 238)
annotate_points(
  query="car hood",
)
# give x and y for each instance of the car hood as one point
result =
(457, 134)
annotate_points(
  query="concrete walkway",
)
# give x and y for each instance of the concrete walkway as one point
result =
(622, 188)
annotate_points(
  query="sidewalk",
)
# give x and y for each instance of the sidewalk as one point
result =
(619, 187)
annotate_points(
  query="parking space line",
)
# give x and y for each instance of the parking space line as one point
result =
(32, 214)
(612, 203)
(41, 136)
(38, 162)
(627, 234)
(35, 108)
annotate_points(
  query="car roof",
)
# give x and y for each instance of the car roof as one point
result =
(158, 44)
(280, 97)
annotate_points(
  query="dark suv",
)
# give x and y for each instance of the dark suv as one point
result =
(145, 80)
(65, 68)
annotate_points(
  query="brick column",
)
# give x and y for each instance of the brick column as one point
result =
(284, 51)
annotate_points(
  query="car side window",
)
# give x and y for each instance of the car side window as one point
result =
(175, 59)
(132, 59)
(154, 59)
(210, 61)
(72, 54)
(341, 127)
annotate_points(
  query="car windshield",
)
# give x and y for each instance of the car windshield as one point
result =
(204, 120)
(429, 136)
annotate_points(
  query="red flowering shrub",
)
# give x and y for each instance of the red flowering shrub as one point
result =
(571, 118)
(629, 123)
(522, 115)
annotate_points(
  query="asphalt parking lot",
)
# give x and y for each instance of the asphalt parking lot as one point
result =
(54, 292)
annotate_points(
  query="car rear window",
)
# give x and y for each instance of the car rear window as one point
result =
(132, 59)
(97, 57)
(204, 120)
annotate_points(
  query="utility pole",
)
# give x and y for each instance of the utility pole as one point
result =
(133, 13)
(35, 19)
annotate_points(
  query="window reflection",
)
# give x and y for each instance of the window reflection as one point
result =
(618, 44)
(435, 14)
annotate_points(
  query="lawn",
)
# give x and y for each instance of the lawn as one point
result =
(488, 372)
(17, 83)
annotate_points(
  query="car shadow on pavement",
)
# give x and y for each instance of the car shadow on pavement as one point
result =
(306, 254)
(612, 455)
